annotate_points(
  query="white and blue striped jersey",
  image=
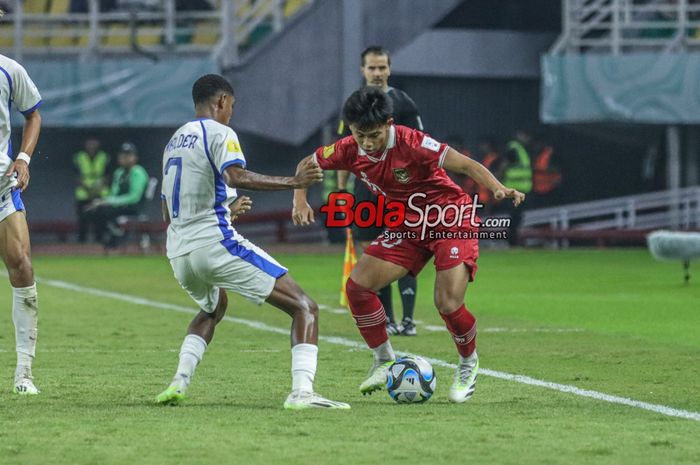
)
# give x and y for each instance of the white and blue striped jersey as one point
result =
(193, 187)
(16, 88)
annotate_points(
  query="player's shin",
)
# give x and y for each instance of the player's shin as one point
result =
(191, 353)
(369, 315)
(304, 360)
(25, 312)
(462, 326)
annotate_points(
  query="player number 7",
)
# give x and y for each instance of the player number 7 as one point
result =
(177, 163)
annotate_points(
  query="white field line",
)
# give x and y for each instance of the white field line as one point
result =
(511, 330)
(656, 408)
(337, 311)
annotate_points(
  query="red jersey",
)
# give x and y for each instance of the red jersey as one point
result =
(410, 164)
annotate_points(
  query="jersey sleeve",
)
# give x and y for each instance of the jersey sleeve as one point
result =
(334, 156)
(427, 151)
(25, 95)
(226, 151)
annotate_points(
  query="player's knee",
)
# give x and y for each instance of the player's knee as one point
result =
(353, 290)
(309, 307)
(221, 306)
(19, 264)
(447, 303)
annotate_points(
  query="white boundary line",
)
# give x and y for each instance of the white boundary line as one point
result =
(510, 330)
(656, 408)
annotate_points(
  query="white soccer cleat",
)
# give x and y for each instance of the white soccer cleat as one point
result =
(300, 400)
(376, 379)
(464, 384)
(24, 383)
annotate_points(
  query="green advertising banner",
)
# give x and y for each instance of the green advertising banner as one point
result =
(660, 88)
(116, 92)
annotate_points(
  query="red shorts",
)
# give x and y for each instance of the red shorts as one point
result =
(413, 254)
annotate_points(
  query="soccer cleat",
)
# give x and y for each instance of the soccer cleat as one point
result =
(24, 382)
(377, 378)
(301, 400)
(25, 387)
(174, 395)
(392, 329)
(464, 384)
(408, 327)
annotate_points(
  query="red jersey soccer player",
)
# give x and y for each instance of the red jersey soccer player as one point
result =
(408, 166)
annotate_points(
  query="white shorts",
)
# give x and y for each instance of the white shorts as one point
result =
(10, 202)
(237, 266)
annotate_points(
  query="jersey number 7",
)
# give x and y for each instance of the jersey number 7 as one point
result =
(177, 163)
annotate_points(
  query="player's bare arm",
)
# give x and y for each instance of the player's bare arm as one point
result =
(164, 212)
(458, 163)
(240, 206)
(343, 179)
(30, 137)
(308, 173)
(302, 213)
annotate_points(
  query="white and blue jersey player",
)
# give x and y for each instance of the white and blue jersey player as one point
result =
(203, 165)
(19, 92)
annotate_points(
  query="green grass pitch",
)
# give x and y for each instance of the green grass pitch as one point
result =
(612, 321)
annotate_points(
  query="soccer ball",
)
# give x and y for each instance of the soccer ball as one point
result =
(410, 379)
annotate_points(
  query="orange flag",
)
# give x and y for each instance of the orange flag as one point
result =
(348, 264)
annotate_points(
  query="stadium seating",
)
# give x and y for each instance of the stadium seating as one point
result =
(36, 6)
(6, 36)
(59, 7)
(50, 24)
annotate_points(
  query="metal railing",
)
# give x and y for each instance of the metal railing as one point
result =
(619, 26)
(226, 32)
(675, 209)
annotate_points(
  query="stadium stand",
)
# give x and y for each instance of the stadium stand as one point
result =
(54, 26)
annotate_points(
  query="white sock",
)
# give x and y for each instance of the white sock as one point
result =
(191, 353)
(469, 360)
(384, 353)
(304, 358)
(25, 313)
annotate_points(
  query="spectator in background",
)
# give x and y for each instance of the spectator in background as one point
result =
(490, 158)
(91, 164)
(546, 176)
(517, 174)
(125, 197)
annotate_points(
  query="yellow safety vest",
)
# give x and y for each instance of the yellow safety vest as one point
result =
(92, 171)
(519, 176)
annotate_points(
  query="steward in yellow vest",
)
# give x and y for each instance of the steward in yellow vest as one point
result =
(518, 173)
(91, 165)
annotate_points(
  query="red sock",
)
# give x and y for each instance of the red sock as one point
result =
(368, 313)
(462, 325)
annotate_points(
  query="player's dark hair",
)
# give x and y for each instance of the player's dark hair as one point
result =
(376, 50)
(209, 86)
(367, 108)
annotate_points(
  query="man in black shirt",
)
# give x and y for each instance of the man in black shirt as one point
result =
(376, 69)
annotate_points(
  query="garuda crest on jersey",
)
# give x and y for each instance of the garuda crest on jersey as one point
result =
(401, 175)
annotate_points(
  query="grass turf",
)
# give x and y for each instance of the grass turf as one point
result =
(635, 333)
